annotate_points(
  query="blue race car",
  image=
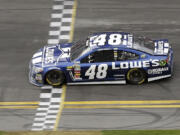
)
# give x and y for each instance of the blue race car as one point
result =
(103, 58)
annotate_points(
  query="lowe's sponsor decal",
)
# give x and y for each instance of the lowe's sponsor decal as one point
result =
(135, 64)
(158, 70)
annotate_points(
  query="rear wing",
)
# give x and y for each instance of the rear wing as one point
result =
(161, 47)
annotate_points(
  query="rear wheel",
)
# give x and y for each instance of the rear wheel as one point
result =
(136, 76)
(55, 77)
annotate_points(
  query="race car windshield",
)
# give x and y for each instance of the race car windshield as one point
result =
(144, 44)
(78, 48)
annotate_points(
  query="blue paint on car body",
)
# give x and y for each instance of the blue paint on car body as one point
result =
(104, 57)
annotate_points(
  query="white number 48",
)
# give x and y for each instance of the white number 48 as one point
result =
(101, 71)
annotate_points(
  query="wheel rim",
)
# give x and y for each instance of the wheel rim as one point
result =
(54, 78)
(136, 76)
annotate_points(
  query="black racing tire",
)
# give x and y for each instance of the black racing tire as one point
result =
(136, 76)
(55, 77)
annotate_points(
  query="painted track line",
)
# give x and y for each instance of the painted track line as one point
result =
(122, 106)
(48, 108)
(60, 108)
(19, 103)
(41, 114)
(73, 21)
(120, 102)
(56, 90)
(87, 105)
(123, 102)
(18, 107)
(61, 31)
(61, 26)
(79, 104)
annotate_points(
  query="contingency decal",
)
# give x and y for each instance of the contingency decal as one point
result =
(115, 54)
(158, 70)
(162, 62)
(77, 71)
(69, 68)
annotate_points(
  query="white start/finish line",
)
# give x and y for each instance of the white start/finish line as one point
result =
(52, 99)
(61, 18)
(48, 108)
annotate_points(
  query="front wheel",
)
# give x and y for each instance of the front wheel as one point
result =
(136, 76)
(55, 77)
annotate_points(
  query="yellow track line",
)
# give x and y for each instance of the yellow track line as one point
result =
(19, 103)
(95, 107)
(92, 107)
(60, 108)
(73, 21)
(99, 102)
(122, 106)
(123, 102)
(18, 107)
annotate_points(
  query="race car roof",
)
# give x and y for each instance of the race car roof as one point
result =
(120, 39)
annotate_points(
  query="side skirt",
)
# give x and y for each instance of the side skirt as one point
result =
(104, 82)
(158, 77)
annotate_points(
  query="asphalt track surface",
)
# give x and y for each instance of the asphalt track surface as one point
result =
(24, 28)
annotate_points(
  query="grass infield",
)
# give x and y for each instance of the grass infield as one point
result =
(105, 132)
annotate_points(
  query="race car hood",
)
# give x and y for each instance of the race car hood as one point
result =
(56, 53)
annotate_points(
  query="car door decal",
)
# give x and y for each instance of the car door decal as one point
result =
(101, 71)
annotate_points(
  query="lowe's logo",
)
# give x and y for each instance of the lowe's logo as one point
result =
(135, 64)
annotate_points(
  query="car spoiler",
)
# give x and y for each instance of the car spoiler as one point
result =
(161, 47)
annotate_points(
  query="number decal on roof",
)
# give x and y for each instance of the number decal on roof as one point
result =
(98, 40)
(115, 39)
(112, 39)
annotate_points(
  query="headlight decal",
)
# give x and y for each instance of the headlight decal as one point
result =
(37, 69)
